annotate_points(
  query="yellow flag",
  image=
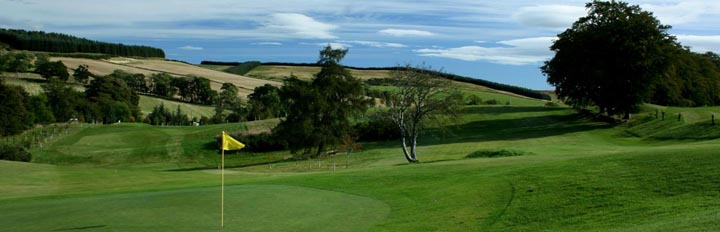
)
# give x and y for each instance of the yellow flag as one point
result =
(228, 143)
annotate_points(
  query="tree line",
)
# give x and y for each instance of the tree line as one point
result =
(244, 67)
(62, 43)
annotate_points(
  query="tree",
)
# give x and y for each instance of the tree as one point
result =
(53, 69)
(62, 100)
(420, 98)
(82, 74)
(114, 98)
(610, 57)
(226, 100)
(265, 103)
(319, 113)
(16, 118)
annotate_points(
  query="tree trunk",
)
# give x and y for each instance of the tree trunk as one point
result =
(413, 145)
(410, 158)
(320, 149)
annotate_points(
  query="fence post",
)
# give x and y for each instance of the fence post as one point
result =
(679, 116)
(663, 115)
(713, 119)
(657, 113)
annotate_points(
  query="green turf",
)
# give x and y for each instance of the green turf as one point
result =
(576, 174)
(248, 208)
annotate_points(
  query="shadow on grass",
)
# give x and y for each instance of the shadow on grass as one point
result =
(495, 110)
(81, 228)
(226, 166)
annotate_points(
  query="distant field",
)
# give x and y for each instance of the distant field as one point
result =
(31, 82)
(150, 66)
(279, 72)
(147, 104)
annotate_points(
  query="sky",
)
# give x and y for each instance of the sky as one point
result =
(502, 41)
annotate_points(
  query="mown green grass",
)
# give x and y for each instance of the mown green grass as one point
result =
(583, 175)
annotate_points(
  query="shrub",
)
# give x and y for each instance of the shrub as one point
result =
(473, 100)
(552, 104)
(496, 153)
(14, 153)
(492, 102)
(377, 129)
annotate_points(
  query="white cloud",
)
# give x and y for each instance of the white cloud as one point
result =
(268, 43)
(332, 45)
(549, 16)
(300, 26)
(190, 48)
(700, 43)
(513, 52)
(403, 32)
(682, 12)
(374, 44)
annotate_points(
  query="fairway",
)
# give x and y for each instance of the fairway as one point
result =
(247, 208)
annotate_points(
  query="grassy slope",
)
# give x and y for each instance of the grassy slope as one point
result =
(584, 175)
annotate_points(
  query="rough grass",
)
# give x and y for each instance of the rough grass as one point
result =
(584, 176)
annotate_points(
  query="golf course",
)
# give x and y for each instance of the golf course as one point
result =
(566, 172)
(354, 116)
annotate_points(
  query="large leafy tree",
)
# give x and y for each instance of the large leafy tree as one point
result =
(610, 57)
(16, 118)
(319, 112)
(52, 70)
(265, 102)
(115, 100)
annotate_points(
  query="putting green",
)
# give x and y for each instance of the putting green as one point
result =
(247, 208)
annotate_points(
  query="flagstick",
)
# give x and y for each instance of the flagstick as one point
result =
(222, 194)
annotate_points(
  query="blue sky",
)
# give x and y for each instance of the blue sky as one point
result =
(503, 41)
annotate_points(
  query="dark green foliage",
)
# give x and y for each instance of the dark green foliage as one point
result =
(691, 80)
(552, 104)
(16, 62)
(492, 102)
(473, 100)
(227, 100)
(160, 85)
(63, 100)
(319, 113)
(163, 116)
(52, 69)
(41, 112)
(115, 100)
(55, 42)
(243, 68)
(610, 57)
(82, 74)
(377, 128)
(380, 81)
(14, 152)
(265, 103)
(15, 116)
(496, 153)
(137, 82)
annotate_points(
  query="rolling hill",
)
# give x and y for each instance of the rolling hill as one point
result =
(150, 66)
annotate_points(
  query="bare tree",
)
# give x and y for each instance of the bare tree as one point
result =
(421, 98)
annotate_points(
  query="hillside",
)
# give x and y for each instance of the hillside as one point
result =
(150, 66)
(62, 43)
